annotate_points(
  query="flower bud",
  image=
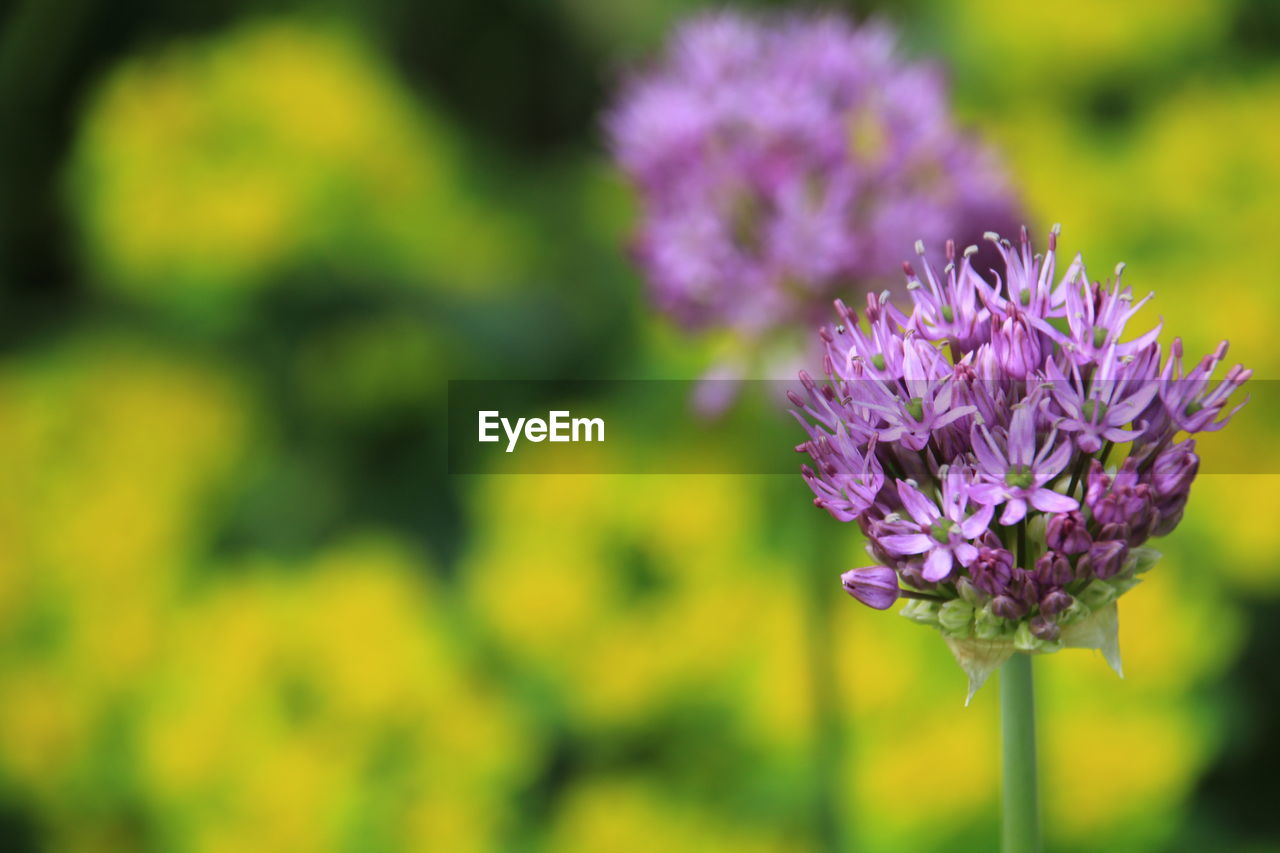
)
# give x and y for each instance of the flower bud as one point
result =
(874, 586)
(1114, 530)
(1168, 515)
(1044, 628)
(1008, 608)
(1174, 469)
(987, 625)
(1053, 569)
(1023, 587)
(1055, 602)
(1016, 347)
(991, 570)
(1067, 533)
(1097, 484)
(1106, 510)
(1140, 514)
(1103, 560)
(1127, 477)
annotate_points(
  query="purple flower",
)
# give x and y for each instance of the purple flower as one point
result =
(1008, 607)
(1010, 392)
(1099, 409)
(927, 405)
(948, 309)
(846, 481)
(874, 586)
(1016, 470)
(943, 534)
(1028, 278)
(1192, 402)
(778, 157)
(1096, 318)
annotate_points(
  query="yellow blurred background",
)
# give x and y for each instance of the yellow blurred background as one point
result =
(244, 608)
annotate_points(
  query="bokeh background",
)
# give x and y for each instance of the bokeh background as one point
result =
(244, 245)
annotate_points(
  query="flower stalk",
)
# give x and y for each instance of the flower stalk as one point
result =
(1021, 807)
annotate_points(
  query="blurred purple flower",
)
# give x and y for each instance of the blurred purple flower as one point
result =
(780, 157)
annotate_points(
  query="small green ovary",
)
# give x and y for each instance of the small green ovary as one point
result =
(915, 408)
(1019, 478)
(1092, 408)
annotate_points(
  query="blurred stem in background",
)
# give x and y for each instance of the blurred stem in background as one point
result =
(831, 799)
(1021, 810)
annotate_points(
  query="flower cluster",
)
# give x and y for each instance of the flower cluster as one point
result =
(780, 158)
(1006, 448)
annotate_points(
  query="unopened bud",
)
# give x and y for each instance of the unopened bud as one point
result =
(1045, 629)
(1103, 560)
(874, 586)
(1066, 532)
(1114, 530)
(1168, 515)
(1053, 569)
(1174, 469)
(1055, 602)
(1008, 608)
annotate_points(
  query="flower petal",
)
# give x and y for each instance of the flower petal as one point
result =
(1047, 500)
(905, 543)
(923, 510)
(1014, 511)
(937, 565)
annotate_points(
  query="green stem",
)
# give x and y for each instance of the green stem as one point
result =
(1018, 730)
(1106, 451)
(1077, 469)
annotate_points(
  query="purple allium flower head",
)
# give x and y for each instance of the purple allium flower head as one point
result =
(976, 435)
(778, 157)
